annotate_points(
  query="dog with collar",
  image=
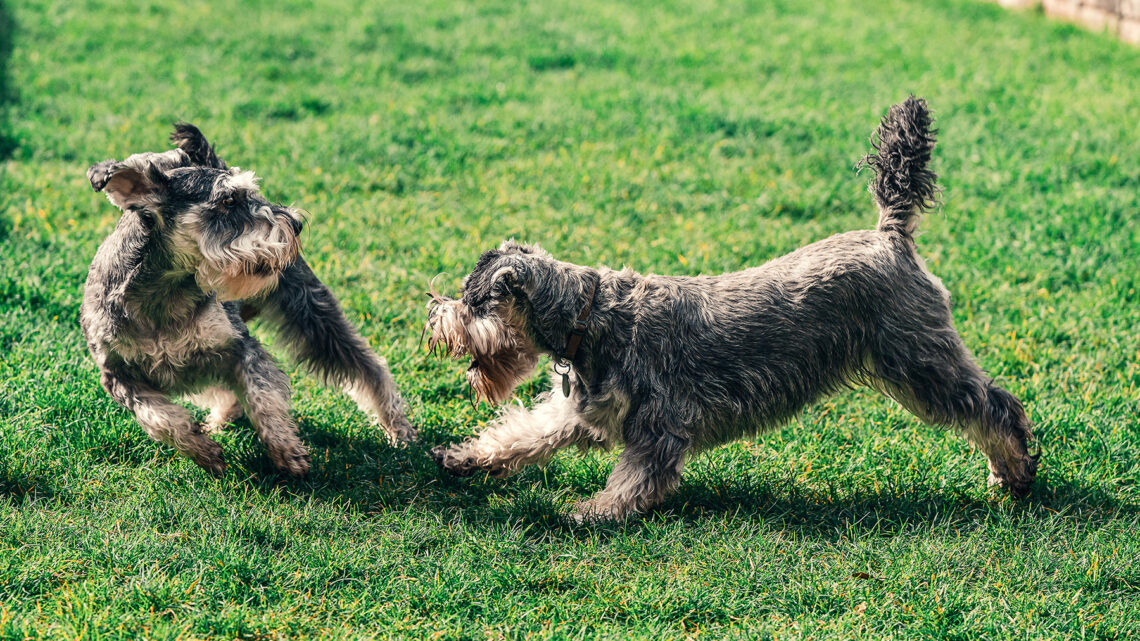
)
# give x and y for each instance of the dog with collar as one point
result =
(671, 365)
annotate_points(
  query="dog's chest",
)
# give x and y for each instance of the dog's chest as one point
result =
(194, 344)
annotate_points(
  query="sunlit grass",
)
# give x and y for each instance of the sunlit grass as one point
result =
(671, 137)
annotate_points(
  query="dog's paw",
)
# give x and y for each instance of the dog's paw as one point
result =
(208, 456)
(594, 512)
(293, 461)
(217, 423)
(455, 464)
(402, 433)
(1017, 478)
(459, 460)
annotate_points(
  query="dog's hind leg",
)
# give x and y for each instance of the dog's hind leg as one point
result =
(223, 405)
(316, 332)
(264, 393)
(517, 438)
(164, 421)
(932, 375)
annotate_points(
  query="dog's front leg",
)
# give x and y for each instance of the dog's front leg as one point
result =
(517, 438)
(165, 421)
(316, 332)
(649, 468)
(264, 393)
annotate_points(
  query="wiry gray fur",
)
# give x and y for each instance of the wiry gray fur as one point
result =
(198, 251)
(673, 365)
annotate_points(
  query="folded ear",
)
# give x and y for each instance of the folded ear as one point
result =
(516, 277)
(190, 140)
(99, 173)
(128, 184)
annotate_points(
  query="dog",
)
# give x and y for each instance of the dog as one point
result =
(670, 366)
(199, 251)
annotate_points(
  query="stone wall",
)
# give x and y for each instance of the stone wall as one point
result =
(1120, 18)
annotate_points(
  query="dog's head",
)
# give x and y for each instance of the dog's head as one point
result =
(210, 220)
(517, 303)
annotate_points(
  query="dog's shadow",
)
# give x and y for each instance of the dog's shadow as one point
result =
(16, 487)
(358, 467)
(362, 470)
(832, 514)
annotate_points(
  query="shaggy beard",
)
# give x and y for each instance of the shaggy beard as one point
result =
(236, 287)
(250, 265)
(501, 355)
(493, 378)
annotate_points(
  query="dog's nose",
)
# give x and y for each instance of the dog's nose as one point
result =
(298, 225)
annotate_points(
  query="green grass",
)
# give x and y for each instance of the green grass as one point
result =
(672, 137)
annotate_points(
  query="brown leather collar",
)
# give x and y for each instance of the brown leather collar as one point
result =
(579, 330)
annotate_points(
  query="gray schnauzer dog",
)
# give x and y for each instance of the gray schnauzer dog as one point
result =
(670, 366)
(197, 252)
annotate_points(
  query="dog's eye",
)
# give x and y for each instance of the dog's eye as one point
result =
(228, 201)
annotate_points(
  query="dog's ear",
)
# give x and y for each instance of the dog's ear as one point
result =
(509, 277)
(516, 277)
(504, 272)
(296, 217)
(128, 184)
(190, 139)
(99, 173)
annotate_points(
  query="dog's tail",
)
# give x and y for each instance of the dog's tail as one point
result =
(903, 185)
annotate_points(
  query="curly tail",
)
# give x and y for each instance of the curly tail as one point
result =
(903, 186)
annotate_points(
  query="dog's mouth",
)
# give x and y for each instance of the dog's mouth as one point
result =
(501, 357)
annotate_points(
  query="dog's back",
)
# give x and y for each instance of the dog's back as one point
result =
(767, 340)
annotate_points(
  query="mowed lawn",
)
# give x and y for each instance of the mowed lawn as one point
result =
(672, 137)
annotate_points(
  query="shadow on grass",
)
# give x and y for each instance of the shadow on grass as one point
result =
(830, 513)
(363, 470)
(17, 487)
(357, 468)
(367, 474)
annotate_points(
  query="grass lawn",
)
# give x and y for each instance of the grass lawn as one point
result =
(673, 137)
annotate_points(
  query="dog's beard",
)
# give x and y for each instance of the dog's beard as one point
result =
(249, 265)
(240, 287)
(501, 355)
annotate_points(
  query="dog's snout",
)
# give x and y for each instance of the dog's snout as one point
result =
(297, 225)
